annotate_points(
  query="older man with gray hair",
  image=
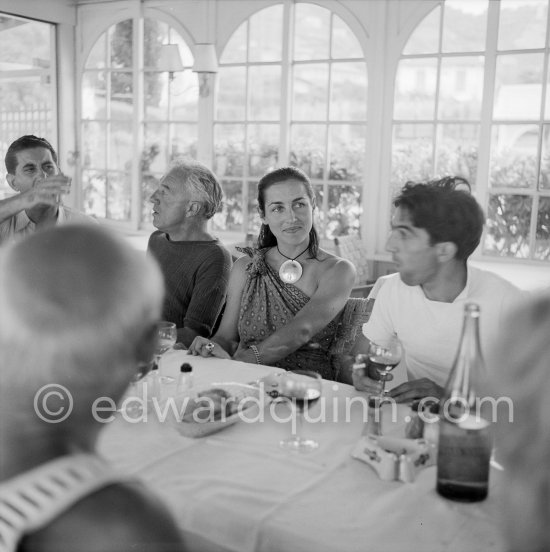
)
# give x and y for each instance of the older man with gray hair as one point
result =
(78, 320)
(194, 263)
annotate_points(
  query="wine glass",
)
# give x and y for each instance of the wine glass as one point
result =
(300, 387)
(166, 338)
(385, 355)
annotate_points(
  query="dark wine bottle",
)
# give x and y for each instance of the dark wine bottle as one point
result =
(465, 443)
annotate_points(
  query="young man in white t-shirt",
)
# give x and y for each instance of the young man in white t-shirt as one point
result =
(434, 229)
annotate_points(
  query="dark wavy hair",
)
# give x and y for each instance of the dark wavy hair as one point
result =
(266, 237)
(447, 214)
(29, 141)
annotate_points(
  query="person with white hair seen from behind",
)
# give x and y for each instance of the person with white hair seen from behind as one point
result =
(78, 318)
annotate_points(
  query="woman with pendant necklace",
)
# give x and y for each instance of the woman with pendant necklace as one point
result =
(286, 297)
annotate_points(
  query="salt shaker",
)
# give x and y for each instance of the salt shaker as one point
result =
(185, 378)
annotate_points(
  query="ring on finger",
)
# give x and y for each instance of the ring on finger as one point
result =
(209, 347)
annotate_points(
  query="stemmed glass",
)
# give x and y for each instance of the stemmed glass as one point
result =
(300, 387)
(385, 355)
(166, 338)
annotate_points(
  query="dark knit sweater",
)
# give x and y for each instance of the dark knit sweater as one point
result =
(196, 274)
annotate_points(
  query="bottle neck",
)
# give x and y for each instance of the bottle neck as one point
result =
(463, 385)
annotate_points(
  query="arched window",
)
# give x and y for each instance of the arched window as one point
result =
(472, 98)
(292, 97)
(130, 104)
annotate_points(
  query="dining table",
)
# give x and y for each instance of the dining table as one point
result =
(238, 490)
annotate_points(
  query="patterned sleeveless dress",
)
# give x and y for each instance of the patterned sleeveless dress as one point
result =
(268, 304)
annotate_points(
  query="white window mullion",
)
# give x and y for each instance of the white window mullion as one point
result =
(485, 130)
(138, 120)
(286, 83)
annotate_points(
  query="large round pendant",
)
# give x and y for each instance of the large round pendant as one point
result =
(290, 271)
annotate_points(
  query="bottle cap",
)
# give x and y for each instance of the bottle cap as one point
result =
(186, 367)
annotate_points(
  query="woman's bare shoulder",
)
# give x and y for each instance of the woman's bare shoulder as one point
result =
(332, 262)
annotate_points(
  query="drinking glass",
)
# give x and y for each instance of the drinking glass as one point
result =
(301, 388)
(385, 355)
(133, 407)
(166, 338)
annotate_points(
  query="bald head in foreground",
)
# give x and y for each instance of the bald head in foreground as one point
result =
(78, 317)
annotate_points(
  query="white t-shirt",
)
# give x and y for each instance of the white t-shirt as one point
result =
(430, 330)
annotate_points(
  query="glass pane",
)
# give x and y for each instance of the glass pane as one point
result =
(94, 186)
(263, 148)
(347, 152)
(96, 58)
(155, 34)
(344, 42)
(26, 100)
(266, 35)
(94, 102)
(518, 86)
(235, 49)
(231, 216)
(344, 210)
(121, 146)
(464, 26)
(513, 156)
(508, 220)
(253, 221)
(184, 97)
(348, 101)
(544, 176)
(228, 150)
(149, 183)
(156, 96)
(120, 41)
(93, 145)
(522, 24)
(183, 141)
(231, 93)
(412, 153)
(311, 32)
(310, 91)
(425, 38)
(415, 89)
(33, 37)
(461, 88)
(154, 156)
(118, 196)
(122, 96)
(542, 241)
(457, 151)
(547, 103)
(307, 149)
(265, 92)
(319, 215)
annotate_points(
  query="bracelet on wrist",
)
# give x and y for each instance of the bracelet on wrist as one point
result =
(256, 353)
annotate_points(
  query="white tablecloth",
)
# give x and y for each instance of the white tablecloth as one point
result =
(237, 490)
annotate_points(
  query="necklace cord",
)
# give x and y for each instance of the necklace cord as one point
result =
(290, 259)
